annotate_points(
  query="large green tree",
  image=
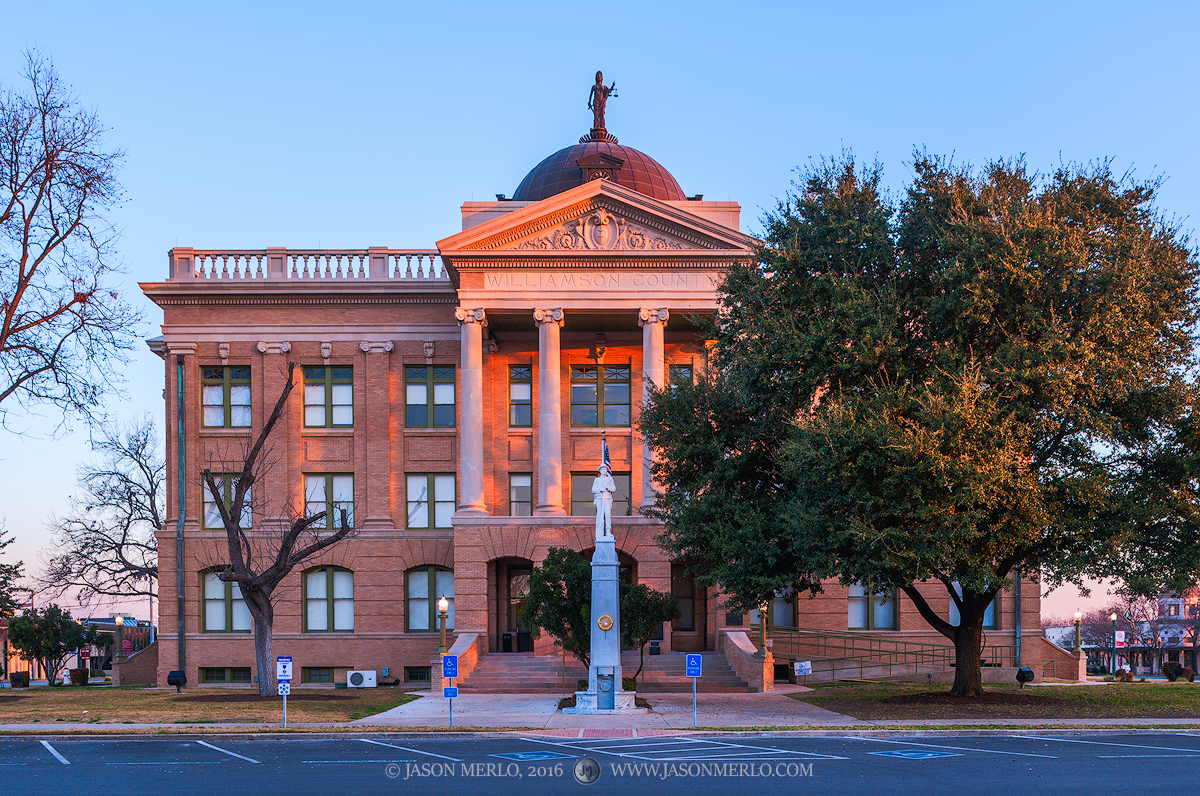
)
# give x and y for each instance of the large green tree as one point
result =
(9, 575)
(943, 387)
(48, 635)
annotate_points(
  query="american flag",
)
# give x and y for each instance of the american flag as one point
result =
(604, 459)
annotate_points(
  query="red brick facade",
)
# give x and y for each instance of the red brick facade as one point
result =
(608, 258)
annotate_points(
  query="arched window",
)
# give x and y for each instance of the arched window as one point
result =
(224, 609)
(423, 587)
(328, 600)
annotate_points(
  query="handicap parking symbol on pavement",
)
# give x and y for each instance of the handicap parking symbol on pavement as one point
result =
(915, 754)
(522, 757)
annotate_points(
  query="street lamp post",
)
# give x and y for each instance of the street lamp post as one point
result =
(1078, 637)
(1113, 617)
(443, 606)
(120, 654)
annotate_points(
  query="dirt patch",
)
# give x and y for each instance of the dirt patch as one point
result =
(249, 699)
(9, 698)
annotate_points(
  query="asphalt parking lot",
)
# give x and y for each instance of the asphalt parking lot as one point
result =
(657, 764)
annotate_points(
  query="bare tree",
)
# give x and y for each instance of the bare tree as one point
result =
(105, 545)
(62, 325)
(260, 558)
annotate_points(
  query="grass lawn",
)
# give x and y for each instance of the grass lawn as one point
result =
(47, 705)
(903, 701)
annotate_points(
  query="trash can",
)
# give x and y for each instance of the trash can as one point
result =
(506, 642)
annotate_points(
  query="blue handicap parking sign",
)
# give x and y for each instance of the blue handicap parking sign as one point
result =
(916, 754)
(693, 665)
(450, 666)
(522, 757)
(450, 692)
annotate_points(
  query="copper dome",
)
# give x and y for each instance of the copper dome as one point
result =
(560, 172)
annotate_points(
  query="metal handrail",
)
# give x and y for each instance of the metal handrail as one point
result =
(862, 651)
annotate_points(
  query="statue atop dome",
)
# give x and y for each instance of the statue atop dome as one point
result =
(597, 99)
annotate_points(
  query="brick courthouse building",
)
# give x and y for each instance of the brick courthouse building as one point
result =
(453, 400)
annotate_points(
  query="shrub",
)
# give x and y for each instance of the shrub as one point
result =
(79, 676)
(581, 685)
(1172, 669)
(1124, 676)
(628, 683)
(1189, 674)
(19, 679)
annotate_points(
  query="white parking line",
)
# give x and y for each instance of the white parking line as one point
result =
(1105, 743)
(339, 762)
(956, 748)
(407, 749)
(226, 751)
(697, 749)
(1113, 757)
(54, 752)
(165, 763)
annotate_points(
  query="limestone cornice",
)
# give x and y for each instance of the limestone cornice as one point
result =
(608, 260)
(171, 297)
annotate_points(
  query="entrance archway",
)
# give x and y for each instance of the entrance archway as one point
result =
(508, 579)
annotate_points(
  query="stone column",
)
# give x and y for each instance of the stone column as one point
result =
(654, 374)
(471, 500)
(375, 456)
(549, 487)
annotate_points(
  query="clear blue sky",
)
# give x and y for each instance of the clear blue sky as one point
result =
(255, 124)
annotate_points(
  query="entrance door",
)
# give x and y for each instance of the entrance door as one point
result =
(518, 594)
(689, 631)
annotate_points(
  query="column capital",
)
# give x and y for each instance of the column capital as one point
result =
(647, 316)
(476, 315)
(274, 348)
(383, 347)
(542, 316)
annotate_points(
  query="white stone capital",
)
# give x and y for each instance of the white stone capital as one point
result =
(647, 315)
(274, 348)
(555, 316)
(368, 347)
(465, 315)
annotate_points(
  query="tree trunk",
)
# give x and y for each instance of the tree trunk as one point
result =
(968, 647)
(263, 615)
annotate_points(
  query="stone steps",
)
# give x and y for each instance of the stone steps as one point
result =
(526, 672)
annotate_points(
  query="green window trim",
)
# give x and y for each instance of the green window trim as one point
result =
(600, 396)
(329, 396)
(226, 674)
(582, 499)
(680, 373)
(329, 492)
(331, 603)
(423, 587)
(316, 674)
(424, 513)
(210, 517)
(520, 396)
(520, 494)
(225, 396)
(870, 609)
(429, 396)
(224, 599)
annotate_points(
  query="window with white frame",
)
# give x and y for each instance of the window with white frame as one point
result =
(328, 600)
(423, 587)
(225, 610)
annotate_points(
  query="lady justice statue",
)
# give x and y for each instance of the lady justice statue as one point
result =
(598, 98)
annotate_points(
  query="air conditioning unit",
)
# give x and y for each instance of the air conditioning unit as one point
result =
(361, 679)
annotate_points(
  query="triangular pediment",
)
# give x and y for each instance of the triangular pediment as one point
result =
(599, 216)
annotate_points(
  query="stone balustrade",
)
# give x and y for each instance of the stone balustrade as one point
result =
(244, 265)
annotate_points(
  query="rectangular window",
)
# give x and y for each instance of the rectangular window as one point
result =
(679, 374)
(600, 395)
(330, 493)
(224, 609)
(425, 586)
(520, 396)
(237, 674)
(989, 616)
(520, 494)
(430, 488)
(417, 674)
(225, 395)
(429, 396)
(870, 611)
(582, 504)
(316, 674)
(328, 397)
(329, 600)
(212, 514)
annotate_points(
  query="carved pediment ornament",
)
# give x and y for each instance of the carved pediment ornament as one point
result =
(600, 231)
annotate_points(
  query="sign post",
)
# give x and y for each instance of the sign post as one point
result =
(802, 668)
(694, 665)
(450, 672)
(283, 673)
